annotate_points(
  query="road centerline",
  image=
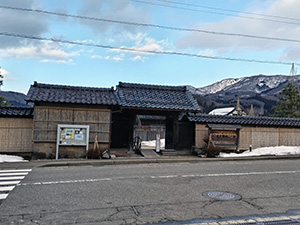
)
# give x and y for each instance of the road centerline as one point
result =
(159, 177)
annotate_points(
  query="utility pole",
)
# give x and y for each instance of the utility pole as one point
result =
(293, 73)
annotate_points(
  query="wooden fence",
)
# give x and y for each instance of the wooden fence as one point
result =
(148, 133)
(46, 120)
(256, 136)
(16, 135)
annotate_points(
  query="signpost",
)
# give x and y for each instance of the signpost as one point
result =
(72, 135)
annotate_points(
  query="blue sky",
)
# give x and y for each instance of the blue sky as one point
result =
(24, 61)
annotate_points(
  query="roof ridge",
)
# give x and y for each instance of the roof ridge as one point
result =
(245, 120)
(152, 86)
(71, 94)
(244, 117)
(16, 107)
(36, 84)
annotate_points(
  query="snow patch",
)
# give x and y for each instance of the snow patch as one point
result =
(153, 143)
(219, 86)
(11, 158)
(266, 151)
(221, 111)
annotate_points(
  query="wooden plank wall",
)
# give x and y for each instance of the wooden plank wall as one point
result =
(148, 132)
(46, 120)
(257, 136)
(201, 133)
(16, 135)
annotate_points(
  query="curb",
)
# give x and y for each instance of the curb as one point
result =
(128, 161)
(160, 160)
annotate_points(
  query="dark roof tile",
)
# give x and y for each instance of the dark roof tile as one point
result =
(244, 120)
(13, 111)
(71, 94)
(176, 98)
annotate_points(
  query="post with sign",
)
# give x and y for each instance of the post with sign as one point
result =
(157, 146)
(72, 135)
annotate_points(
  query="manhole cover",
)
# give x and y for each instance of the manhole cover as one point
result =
(221, 196)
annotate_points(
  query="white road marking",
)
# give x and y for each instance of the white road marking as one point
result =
(13, 174)
(12, 178)
(5, 183)
(9, 179)
(66, 181)
(160, 177)
(3, 196)
(17, 170)
(7, 188)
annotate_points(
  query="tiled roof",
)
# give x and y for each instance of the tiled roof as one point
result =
(143, 96)
(244, 120)
(12, 111)
(71, 94)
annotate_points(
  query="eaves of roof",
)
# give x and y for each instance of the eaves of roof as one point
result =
(12, 111)
(244, 120)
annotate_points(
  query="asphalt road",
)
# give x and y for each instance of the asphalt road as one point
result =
(152, 193)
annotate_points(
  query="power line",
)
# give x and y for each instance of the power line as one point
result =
(229, 10)
(151, 25)
(145, 51)
(216, 13)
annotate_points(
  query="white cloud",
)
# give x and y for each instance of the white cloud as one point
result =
(14, 21)
(96, 57)
(7, 75)
(234, 25)
(118, 58)
(143, 42)
(121, 10)
(3, 72)
(207, 52)
(10, 78)
(61, 61)
(46, 51)
(138, 58)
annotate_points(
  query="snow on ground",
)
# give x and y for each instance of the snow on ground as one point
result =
(153, 143)
(11, 158)
(266, 151)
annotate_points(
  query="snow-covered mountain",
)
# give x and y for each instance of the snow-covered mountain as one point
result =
(262, 91)
(257, 84)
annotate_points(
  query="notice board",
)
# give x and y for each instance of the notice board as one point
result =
(72, 135)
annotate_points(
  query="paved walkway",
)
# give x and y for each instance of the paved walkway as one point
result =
(130, 160)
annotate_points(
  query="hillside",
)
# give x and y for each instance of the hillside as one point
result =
(262, 91)
(15, 98)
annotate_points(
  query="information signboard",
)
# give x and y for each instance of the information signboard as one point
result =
(72, 135)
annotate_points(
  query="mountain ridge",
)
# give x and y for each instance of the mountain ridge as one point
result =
(15, 98)
(262, 91)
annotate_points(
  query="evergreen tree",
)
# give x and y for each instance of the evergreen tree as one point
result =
(2, 99)
(1, 78)
(288, 104)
